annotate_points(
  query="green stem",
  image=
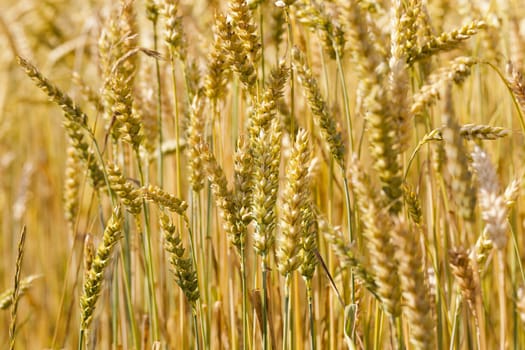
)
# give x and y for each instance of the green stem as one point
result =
(195, 326)
(346, 99)
(160, 160)
(177, 130)
(148, 256)
(129, 307)
(264, 302)
(244, 299)
(292, 83)
(287, 309)
(81, 336)
(311, 313)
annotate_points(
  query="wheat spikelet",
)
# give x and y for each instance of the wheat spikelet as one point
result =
(520, 304)
(145, 108)
(309, 244)
(167, 200)
(128, 194)
(71, 188)
(224, 198)
(482, 132)
(456, 72)
(494, 210)
(238, 55)
(117, 49)
(319, 109)
(364, 54)
(345, 253)
(16, 287)
(174, 31)
(195, 136)
(219, 71)
(377, 224)
(152, 10)
(385, 146)
(88, 93)
(295, 201)
(313, 15)
(76, 137)
(414, 285)
(6, 297)
(278, 27)
(516, 84)
(71, 111)
(244, 24)
(460, 176)
(183, 267)
(402, 36)
(464, 274)
(243, 185)
(266, 159)
(413, 204)
(266, 110)
(94, 277)
(448, 40)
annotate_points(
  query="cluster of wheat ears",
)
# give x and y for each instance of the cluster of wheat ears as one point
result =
(305, 174)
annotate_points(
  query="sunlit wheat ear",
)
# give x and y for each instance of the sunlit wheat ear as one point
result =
(219, 71)
(145, 108)
(402, 32)
(314, 16)
(195, 136)
(448, 40)
(244, 24)
(385, 146)
(128, 194)
(164, 199)
(183, 267)
(6, 297)
(224, 198)
(71, 111)
(520, 303)
(266, 160)
(266, 110)
(457, 163)
(413, 204)
(85, 154)
(345, 253)
(295, 200)
(117, 47)
(75, 123)
(320, 111)
(309, 244)
(456, 72)
(88, 93)
(71, 188)
(377, 225)
(237, 54)
(414, 285)
(95, 276)
(365, 57)
(464, 274)
(516, 83)
(16, 288)
(482, 132)
(174, 31)
(152, 10)
(243, 185)
(494, 209)
(89, 253)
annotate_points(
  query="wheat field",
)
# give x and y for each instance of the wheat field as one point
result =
(308, 174)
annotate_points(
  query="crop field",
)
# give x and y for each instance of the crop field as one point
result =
(260, 174)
